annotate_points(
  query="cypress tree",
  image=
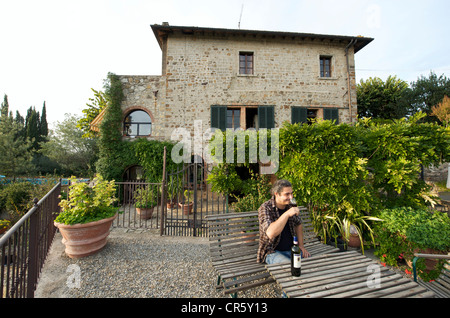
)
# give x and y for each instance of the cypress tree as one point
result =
(5, 107)
(32, 128)
(43, 124)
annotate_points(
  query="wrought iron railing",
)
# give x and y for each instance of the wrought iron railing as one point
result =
(25, 246)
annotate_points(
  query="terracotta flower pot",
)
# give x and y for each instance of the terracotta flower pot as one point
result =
(85, 239)
(187, 208)
(354, 241)
(171, 204)
(145, 214)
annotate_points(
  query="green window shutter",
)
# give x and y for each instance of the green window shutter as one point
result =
(266, 117)
(331, 114)
(299, 115)
(219, 117)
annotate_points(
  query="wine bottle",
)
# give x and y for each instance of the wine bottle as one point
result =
(296, 259)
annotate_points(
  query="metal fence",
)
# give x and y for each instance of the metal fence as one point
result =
(177, 205)
(189, 200)
(140, 205)
(182, 210)
(24, 247)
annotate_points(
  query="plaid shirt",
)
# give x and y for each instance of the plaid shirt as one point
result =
(268, 213)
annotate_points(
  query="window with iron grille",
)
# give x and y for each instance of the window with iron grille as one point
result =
(325, 66)
(246, 63)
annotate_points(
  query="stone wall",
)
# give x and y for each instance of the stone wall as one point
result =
(204, 71)
(146, 93)
(436, 174)
(201, 71)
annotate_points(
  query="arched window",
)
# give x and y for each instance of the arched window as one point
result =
(137, 123)
(133, 173)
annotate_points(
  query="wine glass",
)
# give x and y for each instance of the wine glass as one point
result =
(293, 201)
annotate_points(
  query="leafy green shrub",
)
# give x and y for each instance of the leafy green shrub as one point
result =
(323, 163)
(88, 204)
(256, 191)
(406, 230)
(145, 198)
(17, 198)
(224, 179)
(395, 153)
(4, 224)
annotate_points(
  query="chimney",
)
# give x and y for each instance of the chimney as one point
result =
(165, 23)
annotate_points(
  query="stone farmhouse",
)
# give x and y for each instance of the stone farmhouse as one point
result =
(233, 78)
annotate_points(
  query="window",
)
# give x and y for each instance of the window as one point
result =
(331, 114)
(233, 118)
(325, 66)
(245, 117)
(133, 173)
(311, 114)
(246, 63)
(137, 123)
(307, 115)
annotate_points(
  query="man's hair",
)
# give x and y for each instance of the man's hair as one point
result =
(279, 185)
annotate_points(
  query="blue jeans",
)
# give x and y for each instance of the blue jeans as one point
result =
(278, 257)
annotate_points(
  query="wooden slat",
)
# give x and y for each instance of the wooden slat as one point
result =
(344, 288)
(343, 275)
(253, 284)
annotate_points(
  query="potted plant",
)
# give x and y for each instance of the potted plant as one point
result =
(173, 187)
(4, 226)
(352, 229)
(86, 216)
(187, 203)
(145, 202)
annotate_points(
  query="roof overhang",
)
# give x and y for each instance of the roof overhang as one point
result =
(95, 124)
(162, 31)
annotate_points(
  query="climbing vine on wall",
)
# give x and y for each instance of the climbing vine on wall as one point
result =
(116, 154)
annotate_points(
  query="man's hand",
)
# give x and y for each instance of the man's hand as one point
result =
(293, 211)
(305, 253)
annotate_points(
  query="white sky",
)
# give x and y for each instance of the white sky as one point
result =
(57, 50)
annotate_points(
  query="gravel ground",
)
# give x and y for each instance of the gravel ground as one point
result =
(137, 264)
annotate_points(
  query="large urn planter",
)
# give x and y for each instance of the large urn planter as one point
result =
(85, 239)
(81, 235)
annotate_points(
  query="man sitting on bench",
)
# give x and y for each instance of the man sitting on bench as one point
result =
(279, 221)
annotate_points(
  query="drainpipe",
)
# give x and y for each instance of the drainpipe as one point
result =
(352, 43)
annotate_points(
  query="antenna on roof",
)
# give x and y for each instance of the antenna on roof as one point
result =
(240, 17)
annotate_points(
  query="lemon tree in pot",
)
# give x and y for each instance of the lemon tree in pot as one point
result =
(145, 202)
(86, 216)
(188, 202)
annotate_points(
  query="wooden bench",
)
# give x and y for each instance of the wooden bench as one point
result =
(441, 286)
(234, 241)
